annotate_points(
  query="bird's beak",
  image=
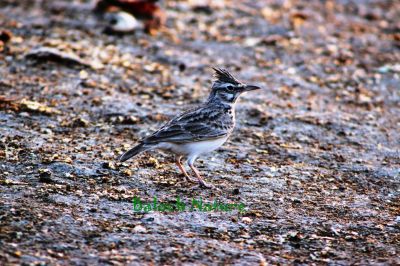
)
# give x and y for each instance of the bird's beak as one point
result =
(251, 88)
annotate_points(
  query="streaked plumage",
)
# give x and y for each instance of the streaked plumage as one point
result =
(200, 130)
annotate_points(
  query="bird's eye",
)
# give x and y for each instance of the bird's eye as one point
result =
(229, 87)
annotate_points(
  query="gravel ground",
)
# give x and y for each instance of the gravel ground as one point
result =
(315, 157)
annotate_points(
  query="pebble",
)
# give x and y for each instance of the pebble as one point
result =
(246, 220)
(139, 229)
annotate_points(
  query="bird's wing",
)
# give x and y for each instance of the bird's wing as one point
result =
(199, 124)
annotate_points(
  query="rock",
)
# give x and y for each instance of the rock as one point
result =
(45, 54)
(79, 122)
(32, 106)
(246, 220)
(121, 22)
(45, 176)
(5, 37)
(139, 229)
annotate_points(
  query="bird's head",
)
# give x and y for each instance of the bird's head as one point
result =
(226, 88)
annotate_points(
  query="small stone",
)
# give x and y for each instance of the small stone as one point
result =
(246, 220)
(154, 162)
(5, 36)
(18, 253)
(109, 165)
(122, 22)
(45, 176)
(32, 106)
(80, 122)
(139, 229)
(83, 74)
(127, 172)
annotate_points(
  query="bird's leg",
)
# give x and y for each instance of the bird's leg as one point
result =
(202, 183)
(178, 162)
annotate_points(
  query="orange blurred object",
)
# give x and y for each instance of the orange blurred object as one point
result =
(147, 10)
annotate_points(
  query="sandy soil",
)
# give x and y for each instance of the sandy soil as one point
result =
(315, 157)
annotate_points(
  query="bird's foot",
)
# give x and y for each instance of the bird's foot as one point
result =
(186, 180)
(204, 184)
(189, 179)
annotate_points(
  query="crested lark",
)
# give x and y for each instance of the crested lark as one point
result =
(200, 130)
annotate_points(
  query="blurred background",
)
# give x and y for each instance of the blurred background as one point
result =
(315, 155)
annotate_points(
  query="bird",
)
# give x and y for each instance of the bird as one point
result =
(200, 130)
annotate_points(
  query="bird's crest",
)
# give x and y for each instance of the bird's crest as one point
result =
(223, 76)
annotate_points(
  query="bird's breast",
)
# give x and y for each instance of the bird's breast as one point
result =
(193, 148)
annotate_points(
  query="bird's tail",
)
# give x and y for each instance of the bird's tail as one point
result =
(132, 152)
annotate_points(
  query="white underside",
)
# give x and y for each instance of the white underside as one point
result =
(193, 149)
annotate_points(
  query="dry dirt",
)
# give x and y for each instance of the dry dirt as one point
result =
(315, 156)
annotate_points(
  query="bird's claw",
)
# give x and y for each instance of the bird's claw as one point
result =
(203, 184)
(189, 179)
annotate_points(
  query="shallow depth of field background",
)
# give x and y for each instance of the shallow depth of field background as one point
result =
(315, 155)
